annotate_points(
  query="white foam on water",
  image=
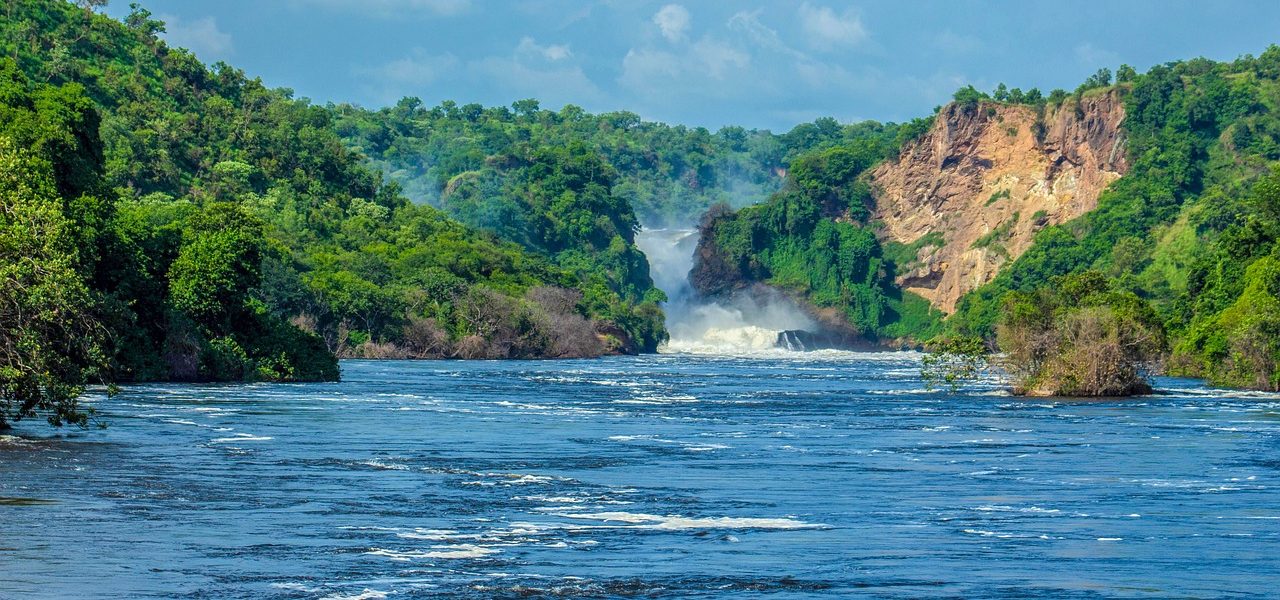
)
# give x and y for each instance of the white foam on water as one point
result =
(553, 499)
(366, 594)
(701, 327)
(678, 522)
(241, 437)
(434, 535)
(658, 399)
(1022, 509)
(212, 410)
(455, 552)
(1003, 535)
(377, 464)
(505, 479)
(296, 587)
(690, 446)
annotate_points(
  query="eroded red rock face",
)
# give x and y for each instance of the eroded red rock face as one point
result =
(986, 179)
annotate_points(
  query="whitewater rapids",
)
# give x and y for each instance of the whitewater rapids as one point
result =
(697, 326)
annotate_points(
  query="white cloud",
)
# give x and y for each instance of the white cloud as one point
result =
(954, 43)
(745, 62)
(748, 23)
(1092, 56)
(553, 52)
(673, 20)
(416, 70)
(825, 29)
(708, 61)
(200, 36)
(557, 84)
(392, 8)
(531, 70)
(717, 58)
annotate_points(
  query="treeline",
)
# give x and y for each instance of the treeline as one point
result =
(1191, 229)
(970, 96)
(471, 160)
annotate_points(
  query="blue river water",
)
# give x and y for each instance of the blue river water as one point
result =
(784, 476)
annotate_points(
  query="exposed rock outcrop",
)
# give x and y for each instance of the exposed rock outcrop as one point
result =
(986, 178)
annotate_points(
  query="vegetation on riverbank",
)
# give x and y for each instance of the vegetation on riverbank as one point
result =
(1191, 227)
(165, 220)
(1080, 336)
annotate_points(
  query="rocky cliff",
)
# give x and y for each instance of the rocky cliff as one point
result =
(974, 190)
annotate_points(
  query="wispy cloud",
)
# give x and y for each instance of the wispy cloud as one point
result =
(392, 8)
(553, 52)
(1093, 56)
(673, 21)
(825, 29)
(417, 70)
(955, 43)
(200, 36)
(530, 70)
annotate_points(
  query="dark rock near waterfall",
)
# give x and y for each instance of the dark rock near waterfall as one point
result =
(802, 340)
(714, 273)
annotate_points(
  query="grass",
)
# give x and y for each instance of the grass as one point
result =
(905, 256)
(994, 238)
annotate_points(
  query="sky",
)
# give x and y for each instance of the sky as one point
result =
(755, 63)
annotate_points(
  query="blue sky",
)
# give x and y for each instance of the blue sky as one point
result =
(711, 63)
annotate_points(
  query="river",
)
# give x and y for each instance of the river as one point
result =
(780, 475)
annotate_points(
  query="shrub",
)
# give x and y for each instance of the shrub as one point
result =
(1079, 336)
(951, 361)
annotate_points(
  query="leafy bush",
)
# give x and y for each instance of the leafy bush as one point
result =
(1079, 336)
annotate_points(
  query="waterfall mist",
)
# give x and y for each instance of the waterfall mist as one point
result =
(740, 325)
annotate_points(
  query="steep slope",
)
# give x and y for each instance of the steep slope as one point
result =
(213, 178)
(971, 194)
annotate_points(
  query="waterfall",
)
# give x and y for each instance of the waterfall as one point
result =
(698, 326)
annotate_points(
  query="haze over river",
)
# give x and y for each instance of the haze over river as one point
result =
(782, 475)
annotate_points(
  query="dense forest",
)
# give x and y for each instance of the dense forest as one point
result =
(168, 220)
(474, 161)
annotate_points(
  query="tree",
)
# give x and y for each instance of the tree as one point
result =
(525, 108)
(50, 340)
(91, 5)
(1125, 74)
(140, 20)
(218, 265)
(952, 361)
(968, 97)
(1101, 78)
(1266, 195)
